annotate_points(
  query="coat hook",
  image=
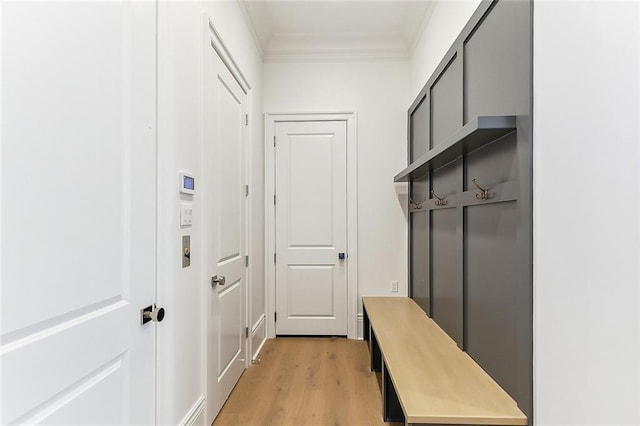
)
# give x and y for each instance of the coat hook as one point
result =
(483, 194)
(439, 201)
(416, 204)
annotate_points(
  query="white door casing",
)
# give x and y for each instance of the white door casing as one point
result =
(312, 174)
(78, 212)
(224, 210)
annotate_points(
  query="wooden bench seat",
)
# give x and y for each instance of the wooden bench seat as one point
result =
(427, 379)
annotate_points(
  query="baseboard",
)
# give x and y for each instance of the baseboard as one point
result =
(195, 412)
(360, 326)
(258, 337)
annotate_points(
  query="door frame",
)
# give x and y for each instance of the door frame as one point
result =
(352, 211)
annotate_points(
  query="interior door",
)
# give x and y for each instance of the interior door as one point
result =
(224, 202)
(78, 212)
(311, 227)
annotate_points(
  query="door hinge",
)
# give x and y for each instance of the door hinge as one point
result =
(275, 317)
(246, 261)
(274, 258)
(246, 119)
(274, 141)
(246, 332)
(274, 199)
(246, 190)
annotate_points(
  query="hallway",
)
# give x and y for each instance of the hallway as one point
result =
(164, 214)
(307, 381)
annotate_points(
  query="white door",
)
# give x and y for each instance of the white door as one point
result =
(311, 227)
(78, 212)
(224, 136)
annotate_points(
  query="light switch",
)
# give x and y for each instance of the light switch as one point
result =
(186, 214)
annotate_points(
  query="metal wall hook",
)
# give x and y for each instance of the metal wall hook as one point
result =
(439, 200)
(483, 194)
(416, 204)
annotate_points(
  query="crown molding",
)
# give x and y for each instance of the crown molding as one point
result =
(343, 55)
(242, 4)
(423, 25)
(336, 47)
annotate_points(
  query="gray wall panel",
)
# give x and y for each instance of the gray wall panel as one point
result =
(420, 291)
(446, 274)
(491, 274)
(420, 189)
(491, 75)
(444, 180)
(419, 130)
(446, 103)
(495, 163)
(419, 247)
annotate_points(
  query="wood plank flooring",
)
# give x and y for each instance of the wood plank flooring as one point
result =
(307, 381)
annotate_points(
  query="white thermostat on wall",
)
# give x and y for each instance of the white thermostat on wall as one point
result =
(187, 183)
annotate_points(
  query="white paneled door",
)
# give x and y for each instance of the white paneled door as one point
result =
(224, 200)
(78, 212)
(311, 227)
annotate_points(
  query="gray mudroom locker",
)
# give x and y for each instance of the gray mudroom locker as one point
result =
(470, 187)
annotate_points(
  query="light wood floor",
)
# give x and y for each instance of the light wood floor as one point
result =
(307, 381)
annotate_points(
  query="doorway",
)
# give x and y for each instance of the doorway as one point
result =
(311, 207)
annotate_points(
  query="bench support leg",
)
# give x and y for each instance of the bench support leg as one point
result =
(376, 355)
(392, 410)
(366, 329)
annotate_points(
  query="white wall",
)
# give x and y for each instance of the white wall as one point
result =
(377, 91)
(439, 32)
(181, 374)
(586, 213)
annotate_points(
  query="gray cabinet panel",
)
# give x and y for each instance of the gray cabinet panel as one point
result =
(420, 189)
(419, 246)
(446, 273)
(444, 180)
(446, 103)
(491, 286)
(494, 163)
(419, 122)
(491, 62)
(419, 262)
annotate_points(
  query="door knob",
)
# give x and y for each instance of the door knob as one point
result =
(215, 280)
(341, 256)
(152, 313)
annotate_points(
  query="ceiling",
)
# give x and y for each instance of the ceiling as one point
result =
(336, 30)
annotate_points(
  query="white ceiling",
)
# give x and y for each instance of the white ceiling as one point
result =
(335, 30)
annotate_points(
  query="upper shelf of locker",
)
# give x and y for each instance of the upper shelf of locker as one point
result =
(475, 134)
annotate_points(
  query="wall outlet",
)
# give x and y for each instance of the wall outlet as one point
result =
(394, 286)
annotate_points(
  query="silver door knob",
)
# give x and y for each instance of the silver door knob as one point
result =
(152, 313)
(215, 280)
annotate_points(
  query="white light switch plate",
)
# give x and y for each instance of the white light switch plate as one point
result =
(186, 214)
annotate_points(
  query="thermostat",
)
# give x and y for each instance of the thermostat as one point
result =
(187, 183)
